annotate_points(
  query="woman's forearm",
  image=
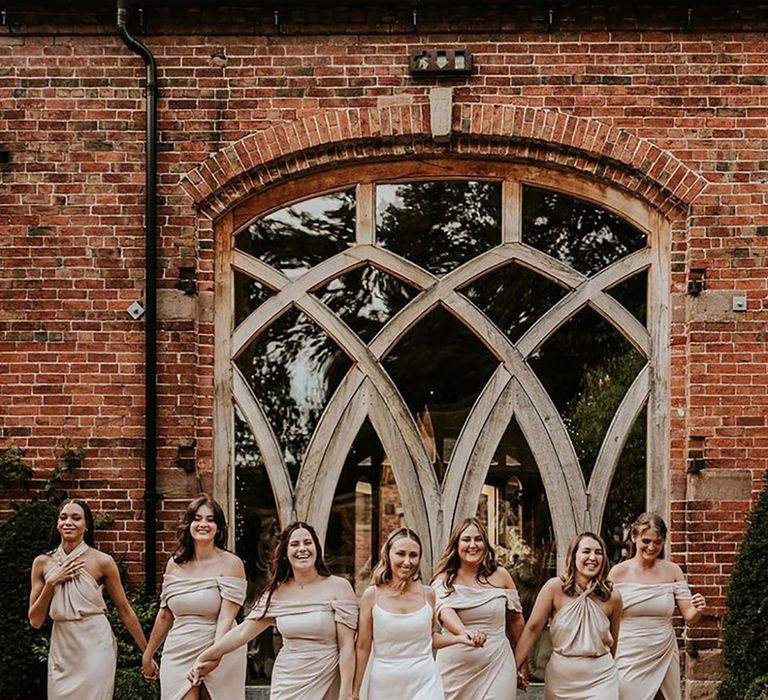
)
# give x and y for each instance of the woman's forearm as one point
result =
(38, 611)
(362, 654)
(163, 624)
(442, 640)
(237, 637)
(346, 669)
(524, 644)
(132, 624)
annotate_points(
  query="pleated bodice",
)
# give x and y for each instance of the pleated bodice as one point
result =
(581, 628)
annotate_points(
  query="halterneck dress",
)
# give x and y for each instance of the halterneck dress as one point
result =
(195, 604)
(647, 656)
(581, 666)
(307, 665)
(401, 665)
(83, 653)
(479, 673)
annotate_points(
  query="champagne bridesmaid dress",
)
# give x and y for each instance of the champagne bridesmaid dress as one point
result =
(307, 666)
(581, 666)
(401, 666)
(489, 672)
(83, 653)
(647, 656)
(195, 604)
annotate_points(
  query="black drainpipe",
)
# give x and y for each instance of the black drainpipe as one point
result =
(151, 496)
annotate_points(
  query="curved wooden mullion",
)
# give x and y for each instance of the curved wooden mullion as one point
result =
(543, 264)
(421, 503)
(591, 291)
(395, 265)
(323, 435)
(490, 429)
(567, 462)
(465, 444)
(331, 324)
(266, 441)
(289, 293)
(613, 444)
(322, 478)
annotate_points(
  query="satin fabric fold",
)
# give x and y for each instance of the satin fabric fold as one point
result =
(581, 666)
(488, 672)
(195, 604)
(83, 652)
(647, 655)
(307, 666)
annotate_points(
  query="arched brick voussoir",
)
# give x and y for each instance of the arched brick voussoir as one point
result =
(525, 134)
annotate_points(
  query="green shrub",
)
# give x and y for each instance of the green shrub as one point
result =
(130, 685)
(745, 651)
(758, 689)
(128, 654)
(22, 537)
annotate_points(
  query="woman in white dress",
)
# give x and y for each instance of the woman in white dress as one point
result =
(66, 583)
(586, 615)
(203, 589)
(477, 596)
(316, 615)
(647, 656)
(396, 636)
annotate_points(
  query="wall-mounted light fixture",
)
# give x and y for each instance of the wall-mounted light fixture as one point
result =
(433, 61)
(186, 282)
(697, 281)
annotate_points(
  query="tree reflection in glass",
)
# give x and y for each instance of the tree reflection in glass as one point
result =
(366, 298)
(293, 368)
(441, 224)
(256, 525)
(440, 368)
(249, 295)
(580, 234)
(299, 237)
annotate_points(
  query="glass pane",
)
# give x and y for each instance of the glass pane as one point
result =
(514, 297)
(514, 508)
(301, 236)
(626, 498)
(632, 293)
(587, 367)
(576, 232)
(256, 525)
(439, 225)
(366, 298)
(249, 295)
(440, 367)
(293, 369)
(366, 508)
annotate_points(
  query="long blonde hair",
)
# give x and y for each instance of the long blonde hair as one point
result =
(382, 573)
(450, 561)
(600, 586)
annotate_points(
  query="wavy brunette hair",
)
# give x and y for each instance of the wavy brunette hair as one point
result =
(55, 538)
(449, 563)
(185, 545)
(280, 569)
(382, 573)
(600, 586)
(648, 521)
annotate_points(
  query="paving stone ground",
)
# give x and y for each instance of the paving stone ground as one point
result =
(262, 693)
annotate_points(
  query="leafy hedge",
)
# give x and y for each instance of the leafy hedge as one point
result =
(745, 651)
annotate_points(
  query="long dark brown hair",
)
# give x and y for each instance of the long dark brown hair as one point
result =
(55, 538)
(600, 586)
(185, 545)
(280, 568)
(648, 521)
(449, 562)
(382, 573)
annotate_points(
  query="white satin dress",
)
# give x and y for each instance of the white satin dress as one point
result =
(401, 666)
(83, 653)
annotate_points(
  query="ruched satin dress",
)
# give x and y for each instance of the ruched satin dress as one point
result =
(479, 673)
(195, 604)
(83, 653)
(401, 665)
(647, 656)
(581, 666)
(307, 665)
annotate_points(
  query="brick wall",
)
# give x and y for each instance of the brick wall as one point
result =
(71, 207)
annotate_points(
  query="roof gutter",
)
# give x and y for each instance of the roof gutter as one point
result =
(151, 497)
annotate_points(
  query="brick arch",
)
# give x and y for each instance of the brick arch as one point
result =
(523, 134)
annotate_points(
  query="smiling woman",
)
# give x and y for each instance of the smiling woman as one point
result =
(66, 584)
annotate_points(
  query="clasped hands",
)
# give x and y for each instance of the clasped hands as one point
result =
(200, 669)
(475, 638)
